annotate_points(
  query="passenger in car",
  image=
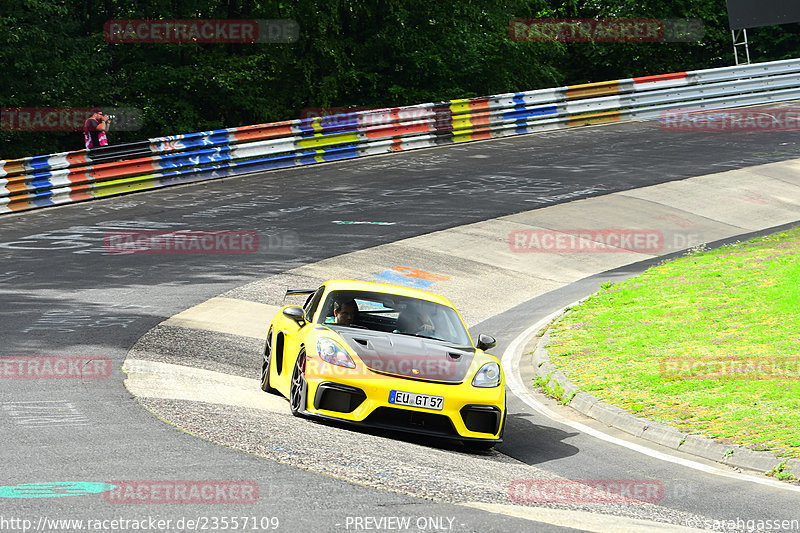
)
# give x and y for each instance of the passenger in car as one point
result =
(415, 322)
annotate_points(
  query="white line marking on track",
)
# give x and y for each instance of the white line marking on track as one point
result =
(583, 520)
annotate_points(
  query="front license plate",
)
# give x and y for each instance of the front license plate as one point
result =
(416, 400)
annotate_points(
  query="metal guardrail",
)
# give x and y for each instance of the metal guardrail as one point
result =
(67, 177)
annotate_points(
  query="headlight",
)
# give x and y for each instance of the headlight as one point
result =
(487, 376)
(331, 351)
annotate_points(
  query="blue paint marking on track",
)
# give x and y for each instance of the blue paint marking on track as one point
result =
(54, 489)
(394, 277)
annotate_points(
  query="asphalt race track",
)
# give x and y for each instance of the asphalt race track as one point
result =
(62, 295)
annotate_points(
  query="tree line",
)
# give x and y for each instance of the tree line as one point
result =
(350, 53)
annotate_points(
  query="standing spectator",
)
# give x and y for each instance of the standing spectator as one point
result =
(94, 129)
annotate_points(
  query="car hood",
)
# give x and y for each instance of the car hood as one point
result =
(409, 356)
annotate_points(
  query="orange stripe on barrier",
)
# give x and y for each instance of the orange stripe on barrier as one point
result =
(82, 176)
(660, 77)
(588, 90)
(594, 118)
(19, 204)
(479, 105)
(79, 176)
(14, 167)
(476, 119)
(80, 192)
(397, 130)
(16, 186)
(278, 129)
(117, 170)
(481, 135)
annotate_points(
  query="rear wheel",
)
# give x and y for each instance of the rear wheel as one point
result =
(265, 386)
(298, 393)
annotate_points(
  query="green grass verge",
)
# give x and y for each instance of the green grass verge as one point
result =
(709, 343)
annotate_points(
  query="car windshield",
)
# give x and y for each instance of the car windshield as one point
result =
(394, 314)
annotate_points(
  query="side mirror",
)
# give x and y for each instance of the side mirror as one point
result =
(296, 313)
(486, 342)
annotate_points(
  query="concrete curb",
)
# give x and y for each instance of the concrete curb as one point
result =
(699, 445)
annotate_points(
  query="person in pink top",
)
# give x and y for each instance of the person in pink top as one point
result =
(94, 129)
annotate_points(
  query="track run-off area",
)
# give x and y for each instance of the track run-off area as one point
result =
(184, 334)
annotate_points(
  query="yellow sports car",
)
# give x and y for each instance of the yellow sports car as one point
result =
(385, 356)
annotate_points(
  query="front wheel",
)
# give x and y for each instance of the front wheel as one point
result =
(265, 386)
(298, 393)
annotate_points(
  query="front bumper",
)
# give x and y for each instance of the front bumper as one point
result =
(362, 397)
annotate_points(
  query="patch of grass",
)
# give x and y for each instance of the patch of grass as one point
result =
(781, 472)
(556, 391)
(709, 343)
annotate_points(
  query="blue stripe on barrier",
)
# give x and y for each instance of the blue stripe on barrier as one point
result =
(39, 181)
(216, 138)
(349, 120)
(197, 157)
(530, 112)
(330, 156)
(175, 177)
(41, 199)
(519, 98)
(42, 161)
(342, 154)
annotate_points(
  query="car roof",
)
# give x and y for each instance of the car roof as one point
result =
(349, 284)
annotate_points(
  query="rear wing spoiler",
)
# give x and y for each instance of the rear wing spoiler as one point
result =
(298, 292)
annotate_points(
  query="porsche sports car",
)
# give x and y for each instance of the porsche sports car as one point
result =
(385, 356)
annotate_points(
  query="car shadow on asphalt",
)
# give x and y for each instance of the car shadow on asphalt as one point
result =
(522, 440)
(533, 443)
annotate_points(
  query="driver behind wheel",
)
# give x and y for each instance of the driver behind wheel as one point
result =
(345, 313)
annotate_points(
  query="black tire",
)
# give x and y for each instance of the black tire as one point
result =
(298, 392)
(265, 386)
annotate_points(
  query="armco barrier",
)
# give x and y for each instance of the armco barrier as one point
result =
(82, 175)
